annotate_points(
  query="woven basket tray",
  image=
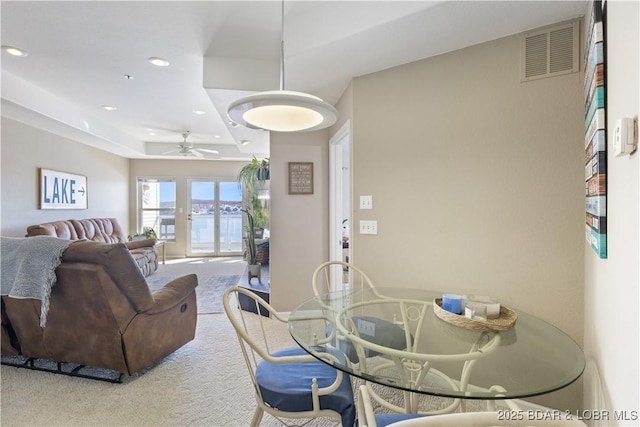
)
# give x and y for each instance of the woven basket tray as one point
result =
(505, 321)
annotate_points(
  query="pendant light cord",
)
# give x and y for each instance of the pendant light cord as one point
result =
(282, 48)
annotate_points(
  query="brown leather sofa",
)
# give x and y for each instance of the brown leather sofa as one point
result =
(102, 314)
(107, 230)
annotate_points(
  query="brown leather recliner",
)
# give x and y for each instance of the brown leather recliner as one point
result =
(107, 230)
(102, 313)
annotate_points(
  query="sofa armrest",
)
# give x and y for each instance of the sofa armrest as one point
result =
(173, 293)
(146, 243)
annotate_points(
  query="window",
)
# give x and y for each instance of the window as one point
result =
(157, 206)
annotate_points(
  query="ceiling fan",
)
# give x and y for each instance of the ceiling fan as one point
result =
(187, 149)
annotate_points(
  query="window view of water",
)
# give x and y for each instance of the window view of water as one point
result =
(203, 216)
(208, 228)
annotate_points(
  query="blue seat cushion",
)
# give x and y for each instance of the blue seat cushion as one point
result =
(287, 386)
(383, 420)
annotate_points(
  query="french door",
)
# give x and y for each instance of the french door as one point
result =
(214, 219)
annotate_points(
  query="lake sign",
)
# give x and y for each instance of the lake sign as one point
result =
(61, 190)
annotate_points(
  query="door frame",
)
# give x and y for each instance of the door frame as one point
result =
(338, 143)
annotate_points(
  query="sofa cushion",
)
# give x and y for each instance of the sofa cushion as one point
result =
(146, 258)
(103, 230)
(107, 230)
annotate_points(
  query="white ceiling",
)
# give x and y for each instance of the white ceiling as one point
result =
(80, 51)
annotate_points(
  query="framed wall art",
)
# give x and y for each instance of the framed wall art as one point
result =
(300, 178)
(62, 190)
(595, 124)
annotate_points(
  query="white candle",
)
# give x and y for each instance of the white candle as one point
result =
(492, 306)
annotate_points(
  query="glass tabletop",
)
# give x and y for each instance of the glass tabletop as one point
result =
(393, 337)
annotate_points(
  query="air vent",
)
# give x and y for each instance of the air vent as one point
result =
(550, 52)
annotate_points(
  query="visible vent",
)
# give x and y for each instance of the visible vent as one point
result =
(536, 55)
(550, 52)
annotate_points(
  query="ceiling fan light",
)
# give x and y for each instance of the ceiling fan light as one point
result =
(14, 51)
(283, 111)
(158, 62)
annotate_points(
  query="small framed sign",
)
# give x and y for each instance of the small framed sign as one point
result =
(61, 190)
(300, 177)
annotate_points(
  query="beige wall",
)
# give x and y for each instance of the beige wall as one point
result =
(477, 183)
(25, 149)
(299, 223)
(181, 171)
(611, 285)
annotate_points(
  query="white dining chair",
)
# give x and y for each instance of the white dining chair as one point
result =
(332, 276)
(368, 418)
(288, 383)
(409, 365)
(339, 276)
(488, 419)
(393, 334)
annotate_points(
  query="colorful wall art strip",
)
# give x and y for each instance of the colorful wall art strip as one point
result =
(595, 141)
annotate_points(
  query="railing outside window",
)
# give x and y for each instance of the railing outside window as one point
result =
(157, 206)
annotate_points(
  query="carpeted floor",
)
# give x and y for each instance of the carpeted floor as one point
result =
(215, 275)
(204, 383)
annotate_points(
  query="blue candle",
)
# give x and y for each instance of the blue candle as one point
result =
(452, 303)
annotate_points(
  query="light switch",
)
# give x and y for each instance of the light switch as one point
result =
(624, 137)
(366, 202)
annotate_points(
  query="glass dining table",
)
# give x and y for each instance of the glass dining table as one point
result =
(397, 338)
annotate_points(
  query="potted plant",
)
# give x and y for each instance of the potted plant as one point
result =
(147, 233)
(254, 172)
(254, 267)
(254, 177)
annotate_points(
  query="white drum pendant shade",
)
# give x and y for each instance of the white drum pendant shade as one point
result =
(283, 111)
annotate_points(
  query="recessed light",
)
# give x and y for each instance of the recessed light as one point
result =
(128, 77)
(217, 136)
(14, 51)
(199, 112)
(109, 107)
(244, 142)
(159, 62)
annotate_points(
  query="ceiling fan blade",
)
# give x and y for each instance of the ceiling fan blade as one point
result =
(206, 150)
(196, 152)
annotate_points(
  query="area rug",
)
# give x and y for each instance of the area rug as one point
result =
(215, 275)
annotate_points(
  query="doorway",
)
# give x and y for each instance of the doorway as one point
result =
(214, 219)
(340, 197)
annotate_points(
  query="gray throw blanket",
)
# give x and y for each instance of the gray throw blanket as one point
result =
(28, 268)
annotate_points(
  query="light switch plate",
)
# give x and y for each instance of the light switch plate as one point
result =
(366, 202)
(368, 227)
(624, 137)
(366, 327)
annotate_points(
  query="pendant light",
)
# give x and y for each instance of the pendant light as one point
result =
(282, 110)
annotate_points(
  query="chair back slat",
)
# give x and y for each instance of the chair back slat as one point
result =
(333, 276)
